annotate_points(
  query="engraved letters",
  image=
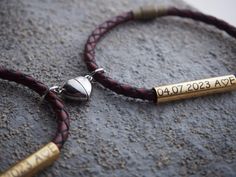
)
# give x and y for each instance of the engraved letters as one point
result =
(195, 88)
(35, 162)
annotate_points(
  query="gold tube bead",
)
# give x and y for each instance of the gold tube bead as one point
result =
(148, 12)
(37, 161)
(195, 88)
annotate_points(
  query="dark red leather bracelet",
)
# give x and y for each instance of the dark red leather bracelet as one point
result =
(49, 153)
(163, 93)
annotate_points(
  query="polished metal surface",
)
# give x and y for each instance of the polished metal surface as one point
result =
(39, 160)
(195, 88)
(79, 88)
(148, 12)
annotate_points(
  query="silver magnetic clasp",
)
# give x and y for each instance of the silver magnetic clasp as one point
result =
(79, 88)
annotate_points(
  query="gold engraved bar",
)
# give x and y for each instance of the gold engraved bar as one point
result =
(195, 88)
(39, 160)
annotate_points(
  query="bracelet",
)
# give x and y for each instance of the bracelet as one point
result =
(163, 93)
(50, 152)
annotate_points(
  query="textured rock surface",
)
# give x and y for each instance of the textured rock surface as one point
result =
(112, 135)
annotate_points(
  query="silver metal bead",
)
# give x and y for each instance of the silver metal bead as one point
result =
(79, 88)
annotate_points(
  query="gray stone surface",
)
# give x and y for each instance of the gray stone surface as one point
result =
(112, 135)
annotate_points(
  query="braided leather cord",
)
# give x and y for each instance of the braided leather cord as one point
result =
(101, 30)
(208, 19)
(63, 120)
(89, 57)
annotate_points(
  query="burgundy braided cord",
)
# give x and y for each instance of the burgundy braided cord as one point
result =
(63, 120)
(208, 19)
(89, 56)
(101, 30)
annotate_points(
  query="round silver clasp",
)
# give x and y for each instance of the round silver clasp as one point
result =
(79, 88)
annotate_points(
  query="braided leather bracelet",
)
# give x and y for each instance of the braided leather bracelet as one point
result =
(50, 152)
(163, 93)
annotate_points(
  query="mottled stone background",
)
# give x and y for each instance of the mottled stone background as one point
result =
(112, 135)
